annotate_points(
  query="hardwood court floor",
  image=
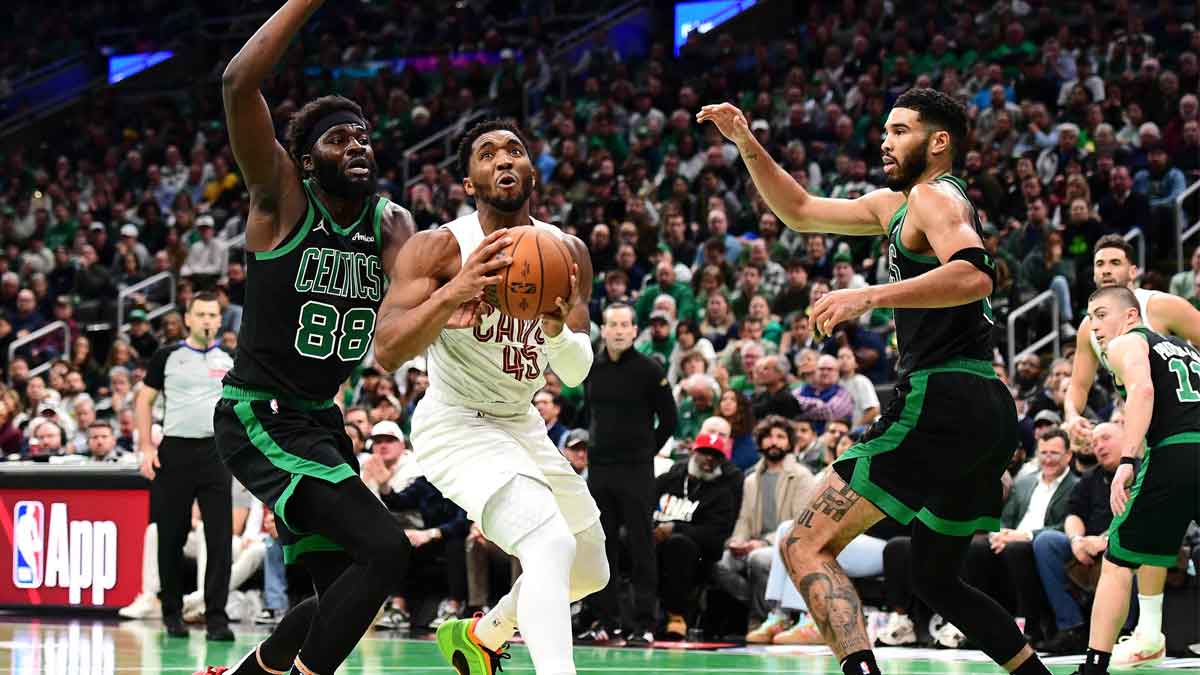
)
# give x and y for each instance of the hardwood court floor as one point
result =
(60, 646)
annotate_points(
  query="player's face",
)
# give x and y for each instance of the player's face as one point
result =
(344, 162)
(1109, 319)
(905, 149)
(500, 173)
(1110, 267)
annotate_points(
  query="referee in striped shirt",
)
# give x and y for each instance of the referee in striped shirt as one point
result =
(185, 467)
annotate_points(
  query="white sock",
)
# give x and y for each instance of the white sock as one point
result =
(499, 625)
(1149, 614)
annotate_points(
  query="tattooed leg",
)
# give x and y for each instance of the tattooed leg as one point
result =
(835, 515)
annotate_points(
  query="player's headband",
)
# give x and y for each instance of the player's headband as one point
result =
(328, 122)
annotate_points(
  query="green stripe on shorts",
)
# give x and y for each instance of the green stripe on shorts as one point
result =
(239, 394)
(308, 544)
(286, 461)
(894, 436)
(1118, 551)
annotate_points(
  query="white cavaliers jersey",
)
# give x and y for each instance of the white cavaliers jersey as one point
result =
(1143, 296)
(496, 366)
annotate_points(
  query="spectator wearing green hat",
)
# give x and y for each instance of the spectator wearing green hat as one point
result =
(141, 337)
(844, 275)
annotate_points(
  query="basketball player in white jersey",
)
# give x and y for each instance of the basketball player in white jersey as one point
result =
(1113, 265)
(476, 434)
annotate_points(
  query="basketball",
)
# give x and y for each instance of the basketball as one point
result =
(539, 273)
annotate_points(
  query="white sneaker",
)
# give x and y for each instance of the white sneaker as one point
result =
(898, 632)
(1139, 650)
(445, 612)
(944, 633)
(193, 607)
(144, 606)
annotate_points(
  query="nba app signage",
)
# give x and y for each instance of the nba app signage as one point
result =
(73, 547)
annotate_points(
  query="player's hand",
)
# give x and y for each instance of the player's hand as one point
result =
(480, 270)
(476, 534)
(1119, 495)
(467, 315)
(552, 322)
(1079, 429)
(663, 531)
(729, 120)
(1095, 545)
(837, 306)
(149, 462)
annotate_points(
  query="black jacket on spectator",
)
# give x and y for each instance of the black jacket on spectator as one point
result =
(782, 402)
(1133, 212)
(712, 521)
(625, 397)
(95, 283)
(1090, 501)
(436, 510)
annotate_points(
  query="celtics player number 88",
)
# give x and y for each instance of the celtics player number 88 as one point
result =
(322, 331)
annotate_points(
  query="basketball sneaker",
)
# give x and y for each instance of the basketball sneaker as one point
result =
(212, 670)
(898, 632)
(776, 623)
(805, 632)
(944, 633)
(144, 606)
(456, 640)
(1139, 650)
(677, 627)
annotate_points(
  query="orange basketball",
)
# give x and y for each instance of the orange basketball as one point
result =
(539, 273)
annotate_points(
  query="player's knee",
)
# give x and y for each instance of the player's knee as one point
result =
(800, 544)
(589, 575)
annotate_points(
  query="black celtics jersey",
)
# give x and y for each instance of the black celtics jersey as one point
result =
(311, 304)
(1175, 373)
(927, 337)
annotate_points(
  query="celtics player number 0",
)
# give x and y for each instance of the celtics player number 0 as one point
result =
(324, 330)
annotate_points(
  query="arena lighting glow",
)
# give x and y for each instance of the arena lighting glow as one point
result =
(128, 65)
(704, 16)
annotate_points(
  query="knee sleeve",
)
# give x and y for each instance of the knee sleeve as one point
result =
(590, 572)
(516, 510)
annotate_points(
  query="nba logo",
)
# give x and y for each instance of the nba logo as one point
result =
(28, 544)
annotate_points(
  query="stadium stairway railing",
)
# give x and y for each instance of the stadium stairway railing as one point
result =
(161, 279)
(1183, 229)
(1049, 338)
(37, 336)
(448, 137)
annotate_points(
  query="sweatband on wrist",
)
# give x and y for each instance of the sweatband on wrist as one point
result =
(1128, 460)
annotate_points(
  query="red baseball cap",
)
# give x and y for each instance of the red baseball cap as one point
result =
(716, 443)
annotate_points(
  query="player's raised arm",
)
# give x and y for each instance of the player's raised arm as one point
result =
(1177, 315)
(271, 176)
(417, 306)
(801, 211)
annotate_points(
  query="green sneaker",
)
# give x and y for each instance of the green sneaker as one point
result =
(456, 641)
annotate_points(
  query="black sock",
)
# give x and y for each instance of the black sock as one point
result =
(1096, 662)
(1032, 666)
(860, 663)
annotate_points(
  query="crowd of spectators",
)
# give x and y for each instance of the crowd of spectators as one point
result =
(1084, 122)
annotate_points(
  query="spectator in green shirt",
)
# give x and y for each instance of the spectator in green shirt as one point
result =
(662, 339)
(698, 404)
(685, 300)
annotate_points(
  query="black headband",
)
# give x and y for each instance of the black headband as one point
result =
(328, 122)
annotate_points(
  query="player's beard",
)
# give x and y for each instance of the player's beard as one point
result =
(909, 170)
(333, 180)
(492, 198)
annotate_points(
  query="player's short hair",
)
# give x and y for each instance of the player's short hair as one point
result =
(1123, 297)
(202, 296)
(774, 422)
(302, 121)
(1116, 241)
(473, 134)
(938, 111)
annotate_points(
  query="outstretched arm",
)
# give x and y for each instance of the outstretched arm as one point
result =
(1176, 315)
(273, 179)
(418, 307)
(1083, 374)
(793, 204)
(945, 222)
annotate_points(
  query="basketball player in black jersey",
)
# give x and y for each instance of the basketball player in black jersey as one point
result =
(935, 457)
(1158, 376)
(319, 245)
